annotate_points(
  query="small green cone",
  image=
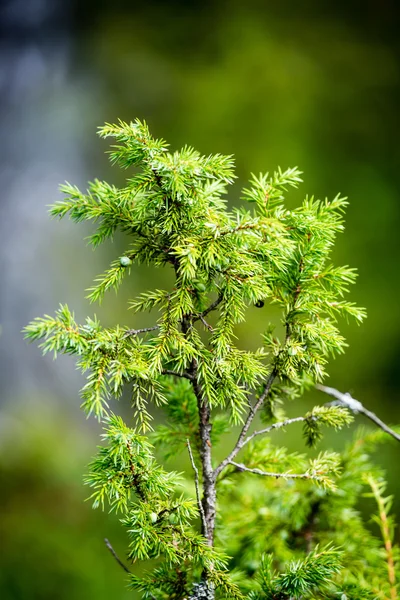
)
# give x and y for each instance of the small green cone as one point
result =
(125, 261)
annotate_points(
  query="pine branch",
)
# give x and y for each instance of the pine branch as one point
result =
(357, 407)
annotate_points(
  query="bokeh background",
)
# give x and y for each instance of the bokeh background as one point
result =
(308, 83)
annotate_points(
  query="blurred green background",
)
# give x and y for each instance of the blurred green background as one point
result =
(313, 84)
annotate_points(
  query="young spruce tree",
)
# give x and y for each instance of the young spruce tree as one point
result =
(265, 524)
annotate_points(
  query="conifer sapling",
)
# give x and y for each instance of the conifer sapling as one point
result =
(261, 522)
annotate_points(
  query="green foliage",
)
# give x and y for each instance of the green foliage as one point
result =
(158, 519)
(390, 559)
(286, 520)
(294, 510)
(332, 416)
(301, 577)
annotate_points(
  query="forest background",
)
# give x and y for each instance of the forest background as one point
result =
(311, 84)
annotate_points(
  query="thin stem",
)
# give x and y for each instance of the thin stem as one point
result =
(176, 374)
(243, 227)
(197, 485)
(356, 406)
(115, 555)
(252, 413)
(130, 332)
(207, 325)
(241, 467)
(278, 425)
(212, 307)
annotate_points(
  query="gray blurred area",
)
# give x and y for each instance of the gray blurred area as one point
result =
(280, 83)
(39, 121)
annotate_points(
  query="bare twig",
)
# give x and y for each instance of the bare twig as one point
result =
(212, 307)
(356, 407)
(241, 467)
(277, 425)
(242, 227)
(207, 325)
(130, 332)
(197, 485)
(176, 374)
(242, 436)
(115, 555)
